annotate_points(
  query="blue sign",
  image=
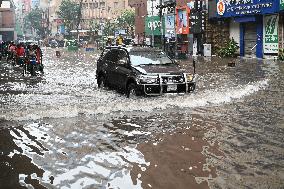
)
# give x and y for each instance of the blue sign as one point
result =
(235, 8)
(62, 29)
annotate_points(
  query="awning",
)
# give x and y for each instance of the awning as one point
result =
(245, 19)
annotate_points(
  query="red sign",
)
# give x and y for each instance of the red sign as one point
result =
(221, 7)
(182, 20)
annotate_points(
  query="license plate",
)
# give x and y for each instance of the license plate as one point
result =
(172, 88)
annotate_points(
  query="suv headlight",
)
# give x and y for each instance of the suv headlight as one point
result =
(144, 79)
(189, 77)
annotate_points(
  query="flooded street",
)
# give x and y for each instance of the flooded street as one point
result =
(59, 130)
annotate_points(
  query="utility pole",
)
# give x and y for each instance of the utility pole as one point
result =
(161, 24)
(152, 26)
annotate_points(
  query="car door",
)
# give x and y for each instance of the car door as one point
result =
(122, 69)
(111, 59)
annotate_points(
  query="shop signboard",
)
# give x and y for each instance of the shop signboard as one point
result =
(270, 34)
(233, 8)
(153, 25)
(170, 25)
(281, 4)
(182, 20)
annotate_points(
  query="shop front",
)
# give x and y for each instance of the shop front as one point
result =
(182, 31)
(258, 25)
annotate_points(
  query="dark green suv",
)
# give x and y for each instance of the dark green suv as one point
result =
(142, 71)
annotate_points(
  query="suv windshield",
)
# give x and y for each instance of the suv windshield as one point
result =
(148, 57)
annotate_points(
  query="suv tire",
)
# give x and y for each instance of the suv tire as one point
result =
(131, 90)
(191, 87)
(102, 82)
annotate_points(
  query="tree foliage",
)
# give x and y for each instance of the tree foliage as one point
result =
(229, 50)
(109, 28)
(33, 19)
(127, 19)
(68, 12)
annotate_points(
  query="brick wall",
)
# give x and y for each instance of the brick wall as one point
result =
(140, 14)
(217, 33)
(8, 20)
(182, 2)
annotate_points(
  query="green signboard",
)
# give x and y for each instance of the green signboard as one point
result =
(153, 25)
(270, 34)
(281, 4)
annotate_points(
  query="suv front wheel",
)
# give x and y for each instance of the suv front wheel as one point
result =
(102, 82)
(132, 90)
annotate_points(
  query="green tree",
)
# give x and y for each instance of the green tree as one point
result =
(109, 28)
(68, 12)
(34, 20)
(127, 18)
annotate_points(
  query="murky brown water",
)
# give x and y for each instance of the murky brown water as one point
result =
(60, 131)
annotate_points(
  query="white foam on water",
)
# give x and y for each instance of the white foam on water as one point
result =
(36, 106)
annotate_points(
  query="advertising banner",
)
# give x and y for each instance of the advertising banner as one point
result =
(270, 34)
(232, 8)
(182, 20)
(281, 4)
(169, 25)
(153, 25)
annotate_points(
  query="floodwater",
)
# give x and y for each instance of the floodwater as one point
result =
(58, 130)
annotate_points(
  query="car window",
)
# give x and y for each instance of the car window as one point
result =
(149, 57)
(111, 56)
(122, 57)
(105, 51)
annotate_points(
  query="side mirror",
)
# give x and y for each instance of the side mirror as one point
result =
(176, 61)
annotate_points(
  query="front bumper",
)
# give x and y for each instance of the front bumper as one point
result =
(161, 87)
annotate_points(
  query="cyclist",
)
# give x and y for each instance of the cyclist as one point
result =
(20, 54)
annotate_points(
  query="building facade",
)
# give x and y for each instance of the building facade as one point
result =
(253, 24)
(27, 6)
(101, 10)
(140, 15)
(55, 24)
(7, 21)
(35, 3)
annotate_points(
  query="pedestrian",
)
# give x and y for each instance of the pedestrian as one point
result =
(38, 52)
(11, 52)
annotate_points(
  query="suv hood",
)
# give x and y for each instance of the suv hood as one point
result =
(158, 69)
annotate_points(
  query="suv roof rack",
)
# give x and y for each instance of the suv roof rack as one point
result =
(115, 46)
(142, 45)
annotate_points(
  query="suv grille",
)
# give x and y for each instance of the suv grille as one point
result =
(172, 79)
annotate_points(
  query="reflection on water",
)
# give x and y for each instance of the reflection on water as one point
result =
(60, 131)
